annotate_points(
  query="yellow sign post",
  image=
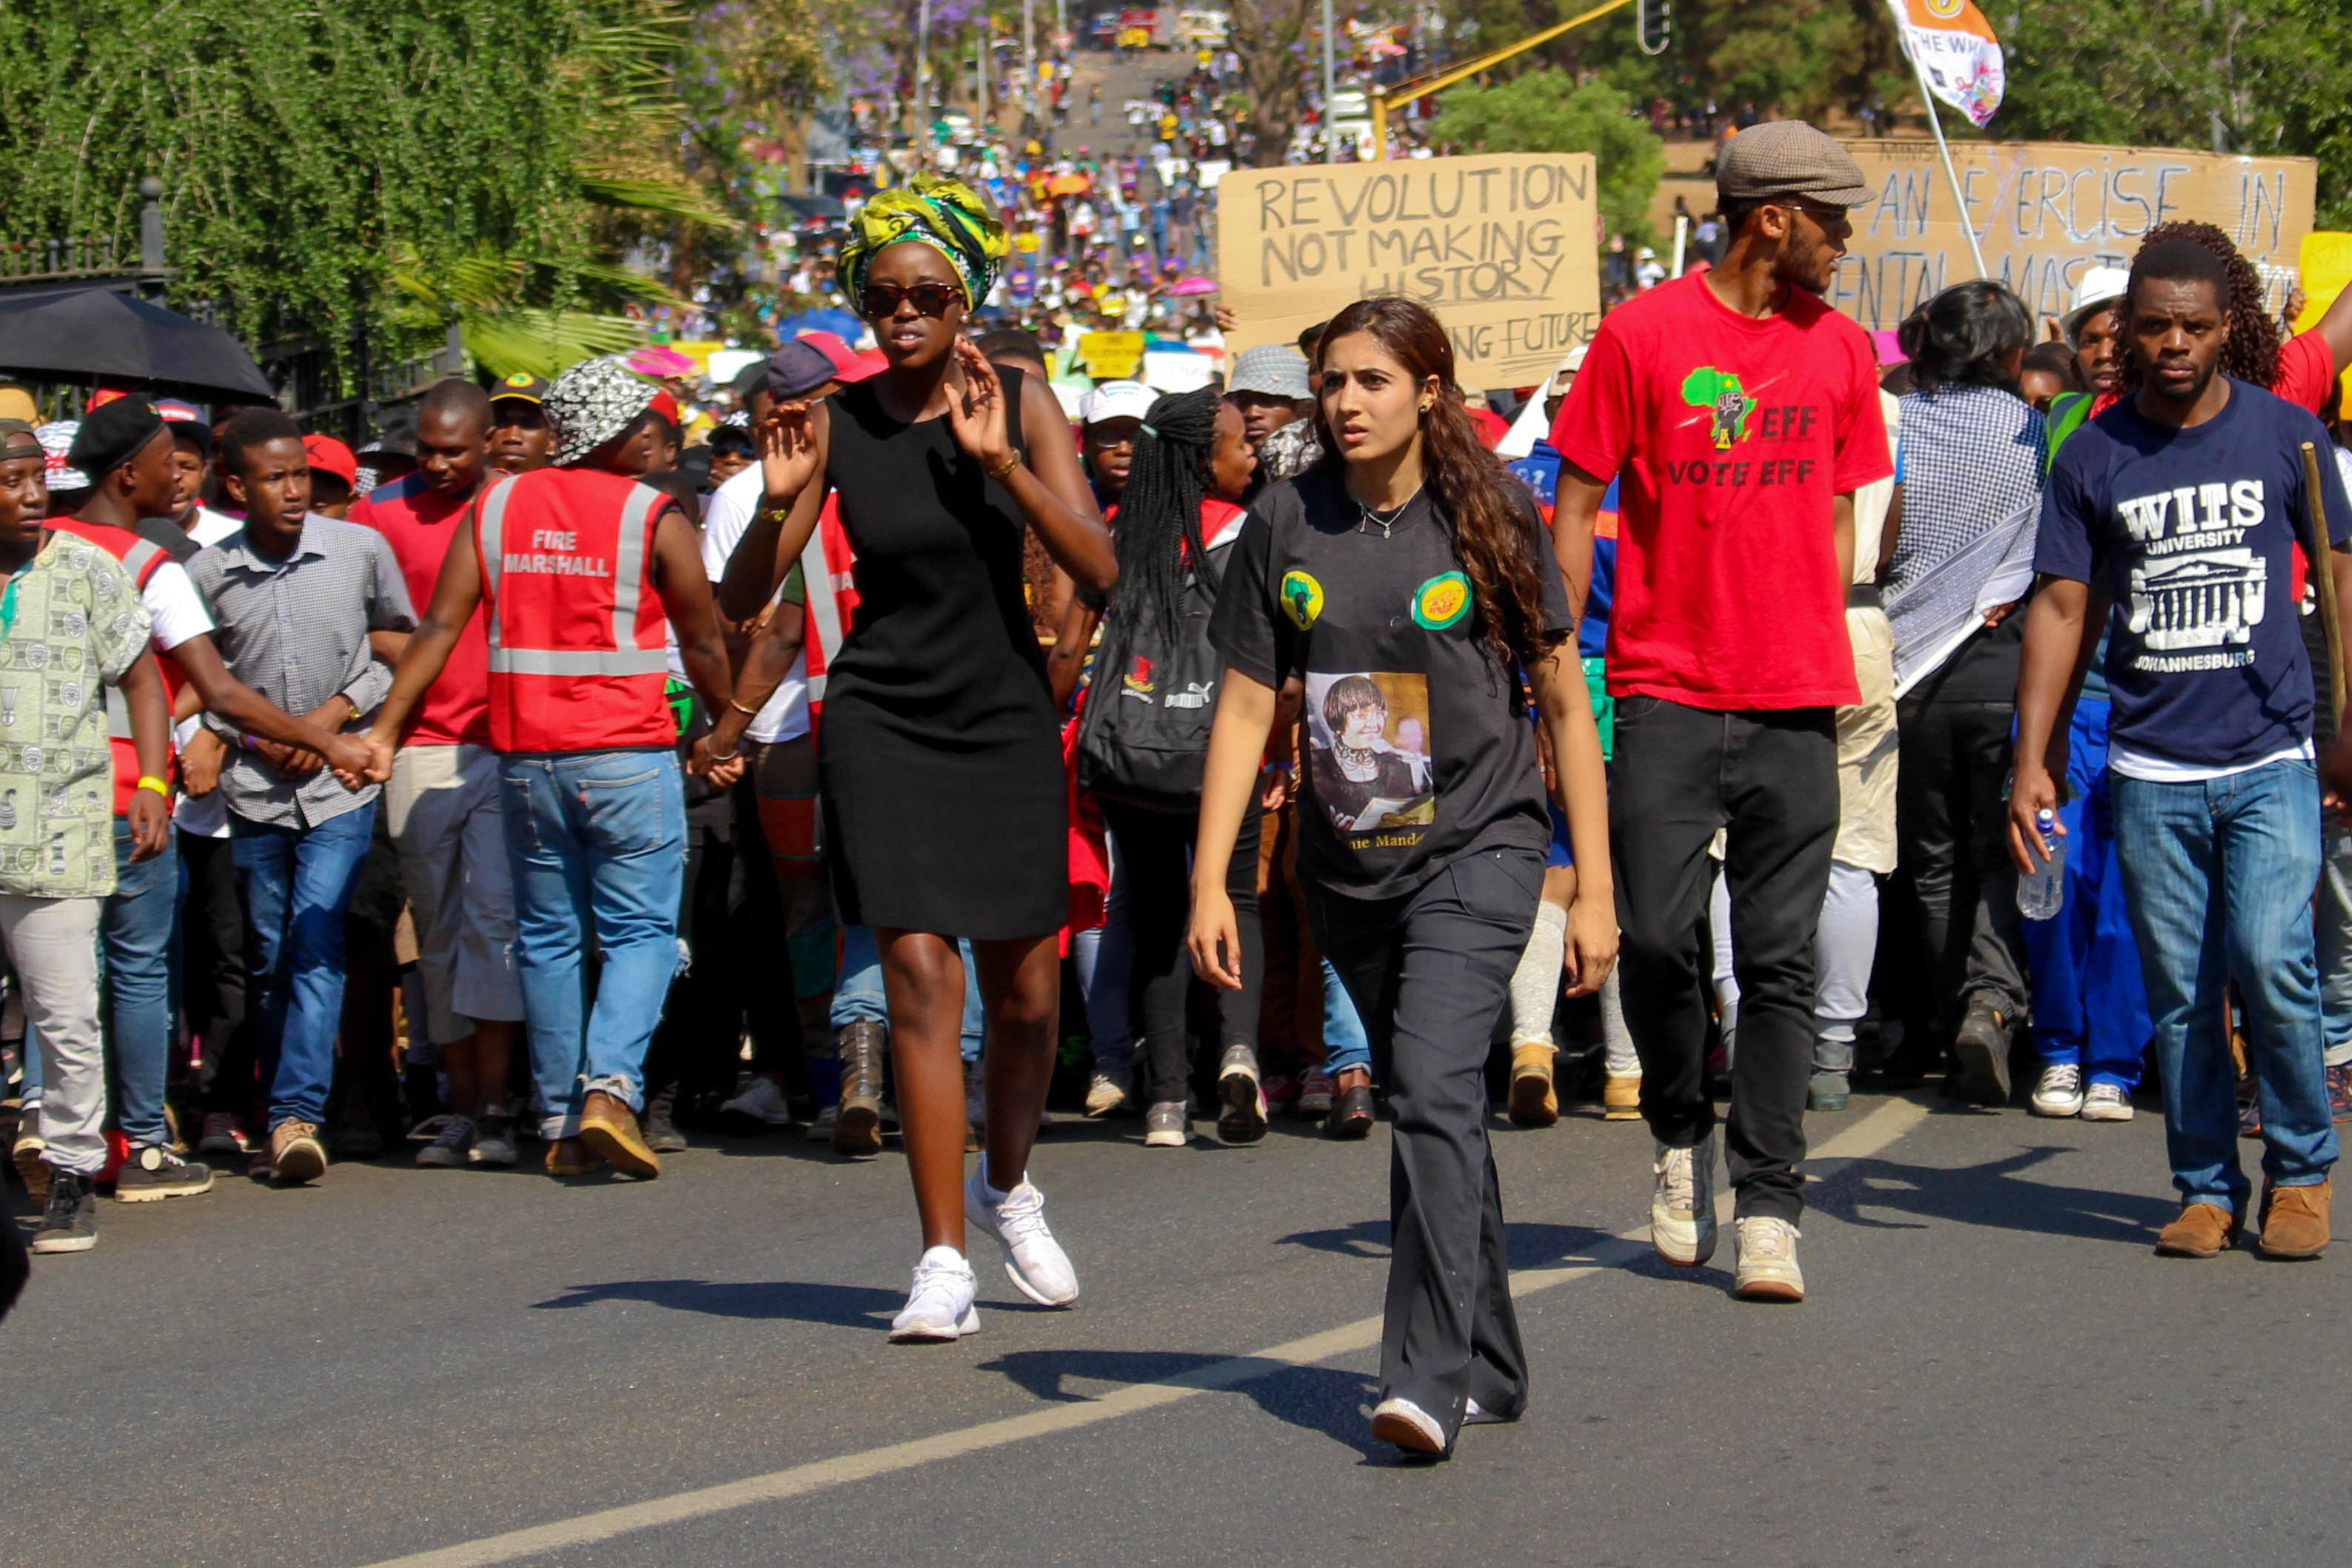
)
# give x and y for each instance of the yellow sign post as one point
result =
(1501, 246)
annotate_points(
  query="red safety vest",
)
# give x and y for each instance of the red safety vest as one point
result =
(576, 631)
(139, 558)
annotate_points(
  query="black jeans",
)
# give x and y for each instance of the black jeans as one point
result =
(212, 977)
(1429, 972)
(1156, 849)
(734, 930)
(1952, 824)
(1771, 779)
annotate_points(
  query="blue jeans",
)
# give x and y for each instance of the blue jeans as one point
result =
(134, 932)
(597, 844)
(1345, 1043)
(2219, 876)
(1105, 958)
(296, 884)
(2090, 1002)
(2335, 943)
(857, 995)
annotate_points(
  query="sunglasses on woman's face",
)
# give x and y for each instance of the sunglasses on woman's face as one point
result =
(880, 299)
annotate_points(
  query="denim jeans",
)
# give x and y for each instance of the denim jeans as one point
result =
(1345, 1043)
(2335, 943)
(597, 844)
(1106, 957)
(2090, 1001)
(857, 995)
(296, 884)
(2219, 876)
(135, 935)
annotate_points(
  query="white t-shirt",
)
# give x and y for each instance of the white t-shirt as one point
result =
(725, 518)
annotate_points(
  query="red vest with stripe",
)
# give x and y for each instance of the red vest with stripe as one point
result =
(576, 631)
(139, 558)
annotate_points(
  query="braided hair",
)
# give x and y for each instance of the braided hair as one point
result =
(2252, 350)
(1158, 529)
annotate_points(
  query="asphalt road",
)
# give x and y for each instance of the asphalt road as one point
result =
(1992, 1369)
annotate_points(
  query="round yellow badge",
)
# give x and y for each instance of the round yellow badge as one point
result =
(1442, 601)
(1302, 599)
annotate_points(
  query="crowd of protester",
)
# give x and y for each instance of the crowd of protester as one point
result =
(1701, 724)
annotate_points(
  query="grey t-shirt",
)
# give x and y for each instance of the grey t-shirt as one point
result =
(1414, 747)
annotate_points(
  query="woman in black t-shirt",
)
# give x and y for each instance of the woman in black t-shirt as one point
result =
(1406, 580)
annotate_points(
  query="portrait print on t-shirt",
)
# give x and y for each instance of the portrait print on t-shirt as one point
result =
(2196, 592)
(1368, 756)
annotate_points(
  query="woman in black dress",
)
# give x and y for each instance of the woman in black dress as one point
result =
(945, 810)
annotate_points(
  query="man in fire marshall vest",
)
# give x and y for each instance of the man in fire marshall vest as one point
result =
(579, 565)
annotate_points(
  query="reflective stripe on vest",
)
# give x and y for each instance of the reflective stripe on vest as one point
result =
(823, 608)
(624, 658)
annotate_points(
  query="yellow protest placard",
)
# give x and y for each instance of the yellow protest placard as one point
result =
(1501, 246)
(2327, 269)
(2044, 211)
(1111, 356)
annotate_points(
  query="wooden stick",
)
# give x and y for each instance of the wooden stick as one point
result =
(2321, 575)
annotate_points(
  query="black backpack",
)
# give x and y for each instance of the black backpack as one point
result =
(1144, 741)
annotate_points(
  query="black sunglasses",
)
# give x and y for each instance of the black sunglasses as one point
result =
(880, 299)
(729, 438)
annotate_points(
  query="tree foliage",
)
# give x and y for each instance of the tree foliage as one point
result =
(1538, 112)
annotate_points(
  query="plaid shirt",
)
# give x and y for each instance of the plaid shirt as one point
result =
(296, 632)
(1972, 457)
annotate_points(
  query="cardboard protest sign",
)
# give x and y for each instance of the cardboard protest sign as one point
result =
(1501, 246)
(2043, 211)
(1111, 356)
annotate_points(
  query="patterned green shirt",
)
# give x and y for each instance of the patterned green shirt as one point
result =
(74, 626)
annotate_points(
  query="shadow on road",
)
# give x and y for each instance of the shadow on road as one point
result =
(1995, 1194)
(1323, 1399)
(849, 1306)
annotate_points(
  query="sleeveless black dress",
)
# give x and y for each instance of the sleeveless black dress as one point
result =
(945, 806)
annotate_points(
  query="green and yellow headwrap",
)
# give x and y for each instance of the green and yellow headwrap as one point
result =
(944, 213)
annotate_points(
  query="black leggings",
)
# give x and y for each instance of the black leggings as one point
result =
(1156, 850)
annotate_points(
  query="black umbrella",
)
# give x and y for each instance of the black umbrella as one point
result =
(816, 207)
(96, 332)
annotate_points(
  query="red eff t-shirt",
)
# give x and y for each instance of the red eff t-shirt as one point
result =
(1730, 437)
(420, 523)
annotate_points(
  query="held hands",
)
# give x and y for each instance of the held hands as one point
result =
(290, 761)
(200, 762)
(977, 414)
(352, 758)
(1591, 951)
(786, 443)
(722, 772)
(379, 756)
(2031, 793)
(1214, 940)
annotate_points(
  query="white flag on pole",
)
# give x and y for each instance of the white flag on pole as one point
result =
(1957, 54)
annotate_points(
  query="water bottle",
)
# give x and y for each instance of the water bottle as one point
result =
(2038, 895)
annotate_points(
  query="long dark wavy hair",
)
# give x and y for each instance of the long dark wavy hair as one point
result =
(1158, 529)
(2252, 353)
(1489, 512)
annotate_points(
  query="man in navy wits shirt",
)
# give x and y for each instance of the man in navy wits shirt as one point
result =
(2183, 503)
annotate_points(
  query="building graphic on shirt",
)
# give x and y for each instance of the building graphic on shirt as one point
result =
(2200, 599)
(1719, 392)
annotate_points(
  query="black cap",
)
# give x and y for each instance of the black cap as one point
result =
(111, 435)
(797, 370)
(523, 386)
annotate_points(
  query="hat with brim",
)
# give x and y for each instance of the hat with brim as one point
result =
(1788, 160)
(591, 402)
(522, 386)
(2095, 291)
(1271, 369)
(1117, 400)
(799, 369)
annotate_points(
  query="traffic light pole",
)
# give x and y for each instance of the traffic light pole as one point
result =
(1405, 92)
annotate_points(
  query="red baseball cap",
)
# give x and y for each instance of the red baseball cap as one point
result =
(666, 407)
(848, 364)
(332, 456)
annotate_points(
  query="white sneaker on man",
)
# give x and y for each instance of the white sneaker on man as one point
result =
(1034, 1260)
(1408, 1426)
(1108, 1091)
(1682, 1204)
(940, 1306)
(2059, 1092)
(1767, 1268)
(761, 1105)
(2107, 1103)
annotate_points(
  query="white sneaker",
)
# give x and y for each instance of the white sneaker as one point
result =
(1682, 1206)
(2059, 1091)
(1107, 1093)
(761, 1102)
(1168, 1125)
(1034, 1260)
(1409, 1426)
(1767, 1268)
(940, 1306)
(2107, 1103)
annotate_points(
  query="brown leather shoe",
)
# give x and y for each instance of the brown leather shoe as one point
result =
(570, 1157)
(294, 1152)
(2295, 1221)
(1535, 1102)
(2203, 1230)
(610, 1128)
(858, 1130)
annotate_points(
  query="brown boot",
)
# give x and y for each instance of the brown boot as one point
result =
(1621, 1098)
(570, 1157)
(858, 1131)
(1535, 1102)
(2203, 1230)
(294, 1152)
(2295, 1221)
(610, 1128)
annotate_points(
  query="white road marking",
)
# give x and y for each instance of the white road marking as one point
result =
(1873, 1133)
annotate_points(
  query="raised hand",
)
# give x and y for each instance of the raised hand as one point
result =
(786, 442)
(977, 414)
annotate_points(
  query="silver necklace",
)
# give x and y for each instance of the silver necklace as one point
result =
(1371, 517)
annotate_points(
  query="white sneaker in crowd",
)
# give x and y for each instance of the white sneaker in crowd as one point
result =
(1108, 1091)
(1168, 1125)
(759, 1106)
(1682, 1204)
(2107, 1103)
(1767, 1268)
(1034, 1260)
(2059, 1092)
(940, 1306)
(1409, 1426)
